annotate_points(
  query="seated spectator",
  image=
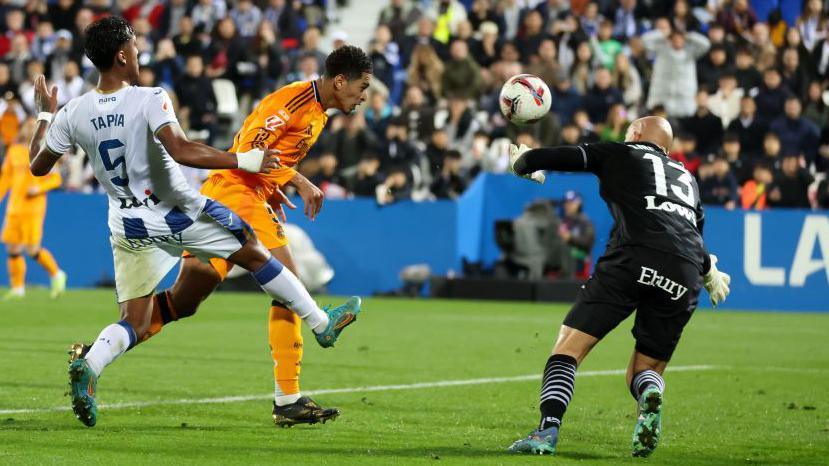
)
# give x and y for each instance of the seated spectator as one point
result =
(530, 36)
(795, 77)
(627, 78)
(606, 47)
(328, 179)
(771, 150)
(197, 101)
(713, 66)
(461, 75)
(544, 64)
(772, 95)
(436, 149)
(419, 116)
(70, 85)
(740, 162)
(485, 49)
(566, 100)
(797, 135)
(459, 122)
(166, 64)
(684, 150)
(6, 84)
(570, 135)
(822, 158)
(754, 195)
(423, 36)
(748, 78)
(396, 187)
(61, 53)
(587, 132)
(367, 176)
(352, 139)
(748, 127)
(378, 113)
(146, 77)
(578, 234)
(385, 60)
(616, 124)
(247, 17)
(426, 71)
(449, 183)
(307, 69)
(683, 18)
(704, 125)
(791, 184)
(581, 72)
(814, 108)
(601, 96)
(398, 151)
(717, 184)
(397, 16)
(725, 103)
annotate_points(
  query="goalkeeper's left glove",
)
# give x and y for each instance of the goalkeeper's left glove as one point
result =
(716, 283)
(515, 153)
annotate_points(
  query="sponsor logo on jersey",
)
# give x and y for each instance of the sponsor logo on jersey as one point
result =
(104, 100)
(651, 277)
(672, 207)
(133, 202)
(138, 243)
(274, 121)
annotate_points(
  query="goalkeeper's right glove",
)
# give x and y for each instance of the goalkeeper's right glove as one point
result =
(515, 154)
(716, 283)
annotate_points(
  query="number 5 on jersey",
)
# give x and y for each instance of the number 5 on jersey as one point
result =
(111, 164)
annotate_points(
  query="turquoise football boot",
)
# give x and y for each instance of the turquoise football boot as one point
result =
(540, 442)
(83, 382)
(649, 423)
(338, 318)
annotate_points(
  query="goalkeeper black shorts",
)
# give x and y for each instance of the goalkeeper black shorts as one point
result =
(662, 288)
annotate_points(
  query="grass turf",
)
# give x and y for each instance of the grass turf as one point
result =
(765, 401)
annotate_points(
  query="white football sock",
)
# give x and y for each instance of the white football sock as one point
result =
(113, 341)
(282, 400)
(283, 286)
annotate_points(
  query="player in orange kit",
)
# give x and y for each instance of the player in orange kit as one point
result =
(289, 120)
(25, 212)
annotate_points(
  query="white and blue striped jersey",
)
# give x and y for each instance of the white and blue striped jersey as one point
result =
(148, 195)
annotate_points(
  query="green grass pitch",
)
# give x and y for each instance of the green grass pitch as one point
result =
(763, 400)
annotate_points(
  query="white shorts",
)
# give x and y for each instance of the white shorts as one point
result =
(140, 264)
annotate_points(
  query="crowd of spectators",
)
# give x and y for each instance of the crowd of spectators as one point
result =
(747, 96)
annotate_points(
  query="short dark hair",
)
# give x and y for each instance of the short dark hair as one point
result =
(349, 61)
(104, 38)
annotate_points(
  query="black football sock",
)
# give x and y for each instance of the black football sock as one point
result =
(643, 380)
(556, 389)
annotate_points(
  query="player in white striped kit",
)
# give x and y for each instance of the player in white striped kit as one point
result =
(135, 144)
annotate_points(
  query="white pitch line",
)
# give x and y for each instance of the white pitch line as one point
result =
(324, 391)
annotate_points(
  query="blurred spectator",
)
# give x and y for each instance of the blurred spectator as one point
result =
(791, 184)
(483, 11)
(206, 13)
(771, 96)
(546, 131)
(166, 65)
(531, 35)
(423, 36)
(674, 82)
(578, 234)
(748, 127)
(367, 176)
(6, 84)
(446, 14)
(823, 194)
(626, 23)
(196, 98)
(62, 13)
(397, 16)
(725, 103)
(587, 132)
(247, 17)
(398, 151)
(684, 150)
(797, 135)
(812, 23)
(755, 191)
(683, 19)
(396, 187)
(704, 125)
(718, 186)
(714, 65)
(581, 72)
(378, 114)
(328, 179)
(771, 149)
(626, 77)
(426, 71)
(601, 96)
(815, 108)
(418, 115)
(616, 125)
(748, 78)
(740, 162)
(566, 100)
(485, 49)
(544, 64)
(449, 183)
(351, 139)
(795, 77)
(307, 69)
(737, 16)
(461, 75)
(71, 84)
(459, 122)
(385, 60)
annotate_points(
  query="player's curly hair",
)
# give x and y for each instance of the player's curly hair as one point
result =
(104, 38)
(349, 61)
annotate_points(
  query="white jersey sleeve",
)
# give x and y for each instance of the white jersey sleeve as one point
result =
(58, 137)
(158, 110)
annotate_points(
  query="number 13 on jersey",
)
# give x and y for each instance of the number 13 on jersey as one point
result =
(662, 184)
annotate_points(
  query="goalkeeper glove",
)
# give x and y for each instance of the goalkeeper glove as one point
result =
(515, 154)
(716, 283)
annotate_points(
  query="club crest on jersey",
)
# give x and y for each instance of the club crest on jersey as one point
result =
(672, 207)
(651, 277)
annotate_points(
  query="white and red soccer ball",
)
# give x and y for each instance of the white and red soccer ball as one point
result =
(525, 99)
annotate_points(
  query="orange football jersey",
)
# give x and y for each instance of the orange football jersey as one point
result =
(289, 120)
(16, 179)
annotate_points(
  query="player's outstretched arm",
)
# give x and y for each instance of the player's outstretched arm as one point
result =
(41, 158)
(530, 163)
(312, 196)
(197, 155)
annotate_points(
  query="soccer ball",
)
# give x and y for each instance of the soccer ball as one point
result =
(525, 99)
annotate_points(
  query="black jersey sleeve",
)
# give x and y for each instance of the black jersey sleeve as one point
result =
(583, 158)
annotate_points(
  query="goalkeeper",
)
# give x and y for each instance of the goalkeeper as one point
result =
(655, 263)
